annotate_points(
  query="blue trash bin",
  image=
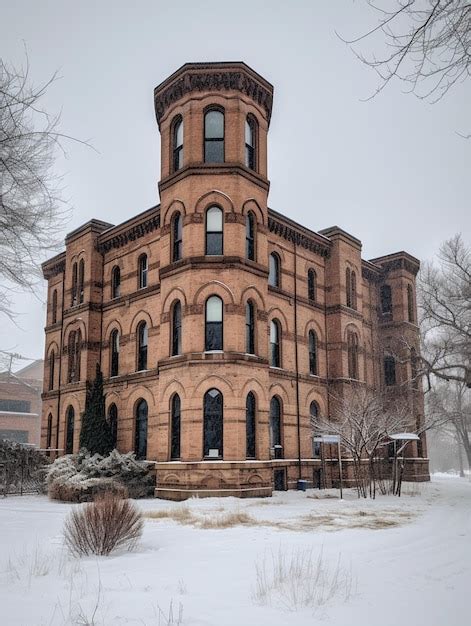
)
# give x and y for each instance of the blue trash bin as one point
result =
(302, 485)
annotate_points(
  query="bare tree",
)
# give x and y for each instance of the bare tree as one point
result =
(428, 44)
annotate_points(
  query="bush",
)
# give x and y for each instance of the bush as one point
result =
(80, 477)
(99, 527)
(23, 468)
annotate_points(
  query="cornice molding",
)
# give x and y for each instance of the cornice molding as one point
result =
(301, 239)
(131, 234)
(49, 271)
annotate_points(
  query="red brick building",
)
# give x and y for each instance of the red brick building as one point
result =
(220, 324)
(20, 404)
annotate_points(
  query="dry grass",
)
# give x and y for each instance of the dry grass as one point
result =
(183, 515)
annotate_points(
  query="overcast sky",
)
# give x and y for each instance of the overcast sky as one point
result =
(392, 171)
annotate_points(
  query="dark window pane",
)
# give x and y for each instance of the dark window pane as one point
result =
(250, 328)
(389, 371)
(250, 425)
(141, 430)
(213, 336)
(69, 437)
(175, 428)
(214, 151)
(177, 329)
(213, 422)
(113, 422)
(386, 299)
(275, 422)
(214, 244)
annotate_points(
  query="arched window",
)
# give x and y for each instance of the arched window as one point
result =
(250, 327)
(114, 359)
(214, 137)
(52, 360)
(73, 300)
(54, 306)
(314, 414)
(177, 237)
(389, 371)
(175, 427)
(352, 353)
(275, 352)
(311, 285)
(414, 369)
(142, 263)
(250, 425)
(274, 270)
(275, 422)
(214, 232)
(313, 353)
(74, 347)
(176, 328)
(386, 300)
(140, 435)
(142, 337)
(410, 304)
(113, 423)
(213, 424)
(213, 324)
(57, 430)
(354, 290)
(250, 236)
(115, 282)
(250, 142)
(348, 286)
(81, 280)
(69, 430)
(49, 433)
(177, 143)
(78, 355)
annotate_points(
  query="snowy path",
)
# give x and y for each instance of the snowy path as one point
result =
(416, 573)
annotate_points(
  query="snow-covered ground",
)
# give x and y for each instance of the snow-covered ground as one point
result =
(389, 561)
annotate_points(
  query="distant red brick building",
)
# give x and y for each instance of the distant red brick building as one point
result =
(221, 325)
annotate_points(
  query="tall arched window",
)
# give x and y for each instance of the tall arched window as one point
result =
(313, 353)
(58, 423)
(140, 434)
(410, 304)
(54, 306)
(250, 236)
(113, 423)
(275, 352)
(114, 358)
(386, 299)
(348, 286)
(275, 422)
(175, 427)
(213, 424)
(352, 353)
(311, 285)
(177, 238)
(52, 360)
(142, 337)
(177, 144)
(142, 263)
(274, 270)
(78, 355)
(115, 282)
(389, 371)
(214, 137)
(81, 280)
(250, 407)
(250, 327)
(214, 231)
(73, 300)
(49, 433)
(250, 142)
(176, 328)
(354, 290)
(69, 430)
(314, 414)
(74, 347)
(213, 324)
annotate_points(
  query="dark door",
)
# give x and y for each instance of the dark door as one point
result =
(279, 479)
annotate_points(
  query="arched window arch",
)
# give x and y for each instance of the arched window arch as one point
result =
(275, 341)
(311, 285)
(250, 327)
(214, 231)
(69, 430)
(213, 324)
(251, 142)
(73, 300)
(52, 362)
(81, 280)
(54, 306)
(114, 357)
(386, 300)
(214, 136)
(274, 270)
(142, 339)
(142, 270)
(140, 435)
(353, 290)
(352, 353)
(389, 370)
(314, 413)
(176, 318)
(250, 236)
(177, 237)
(213, 424)
(113, 423)
(313, 353)
(275, 422)
(49, 433)
(250, 408)
(175, 427)
(410, 303)
(348, 286)
(115, 282)
(177, 143)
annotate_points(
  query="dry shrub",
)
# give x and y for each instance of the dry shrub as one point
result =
(102, 526)
(87, 490)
